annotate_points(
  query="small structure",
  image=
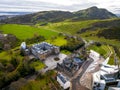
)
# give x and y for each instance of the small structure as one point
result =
(3, 35)
(94, 55)
(44, 49)
(23, 45)
(24, 49)
(63, 81)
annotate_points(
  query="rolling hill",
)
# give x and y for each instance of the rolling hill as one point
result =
(57, 16)
(107, 30)
(93, 13)
(94, 23)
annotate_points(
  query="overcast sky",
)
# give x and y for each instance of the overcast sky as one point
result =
(66, 5)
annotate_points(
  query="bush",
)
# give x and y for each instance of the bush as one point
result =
(56, 58)
(35, 39)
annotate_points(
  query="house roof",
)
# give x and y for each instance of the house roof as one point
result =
(77, 60)
(62, 78)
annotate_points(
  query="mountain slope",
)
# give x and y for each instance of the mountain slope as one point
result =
(57, 16)
(45, 16)
(106, 31)
(94, 13)
(100, 28)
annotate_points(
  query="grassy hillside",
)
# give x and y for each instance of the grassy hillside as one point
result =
(43, 82)
(25, 31)
(98, 30)
(57, 16)
(70, 27)
(94, 13)
(103, 49)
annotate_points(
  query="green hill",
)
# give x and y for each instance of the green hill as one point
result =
(94, 13)
(57, 16)
(100, 30)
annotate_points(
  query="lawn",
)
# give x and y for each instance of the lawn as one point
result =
(26, 31)
(5, 56)
(59, 41)
(103, 50)
(111, 61)
(103, 40)
(66, 52)
(37, 65)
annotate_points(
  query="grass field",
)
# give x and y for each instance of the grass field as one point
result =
(25, 31)
(37, 65)
(5, 56)
(111, 61)
(59, 41)
(103, 50)
(73, 27)
(66, 52)
(107, 41)
(70, 27)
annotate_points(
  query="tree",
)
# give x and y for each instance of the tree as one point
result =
(17, 84)
(10, 67)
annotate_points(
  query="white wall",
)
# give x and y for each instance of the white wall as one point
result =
(94, 55)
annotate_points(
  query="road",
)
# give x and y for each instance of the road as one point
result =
(75, 80)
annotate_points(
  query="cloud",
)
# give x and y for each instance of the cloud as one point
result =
(67, 5)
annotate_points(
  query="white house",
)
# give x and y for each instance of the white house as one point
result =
(94, 55)
(63, 81)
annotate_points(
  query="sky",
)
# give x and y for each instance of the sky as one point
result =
(65, 5)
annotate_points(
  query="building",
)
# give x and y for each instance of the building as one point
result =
(44, 49)
(115, 87)
(98, 84)
(106, 74)
(24, 49)
(94, 55)
(63, 81)
(23, 45)
(3, 36)
(70, 66)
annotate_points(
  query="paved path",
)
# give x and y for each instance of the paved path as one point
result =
(75, 80)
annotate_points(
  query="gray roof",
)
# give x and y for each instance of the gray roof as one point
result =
(62, 78)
